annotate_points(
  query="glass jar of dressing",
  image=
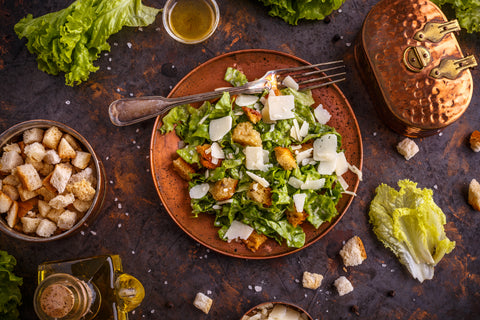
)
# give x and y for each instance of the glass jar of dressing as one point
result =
(190, 21)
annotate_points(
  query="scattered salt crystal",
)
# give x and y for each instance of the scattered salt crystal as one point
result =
(374, 134)
(205, 256)
(440, 134)
(108, 68)
(339, 10)
(67, 102)
(116, 199)
(140, 29)
(133, 312)
(131, 95)
(250, 287)
(129, 45)
(82, 233)
(115, 44)
(306, 295)
(258, 288)
(119, 206)
(118, 89)
(166, 282)
(348, 44)
(153, 311)
(93, 233)
(209, 292)
(107, 157)
(126, 213)
(138, 147)
(158, 29)
(392, 270)
(110, 59)
(384, 265)
(133, 251)
(137, 130)
(435, 187)
(111, 182)
(297, 281)
(134, 141)
(106, 54)
(149, 270)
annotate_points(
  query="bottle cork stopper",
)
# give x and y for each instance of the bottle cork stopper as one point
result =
(56, 301)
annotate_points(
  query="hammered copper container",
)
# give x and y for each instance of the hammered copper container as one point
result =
(412, 101)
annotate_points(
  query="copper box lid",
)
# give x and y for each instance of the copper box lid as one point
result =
(413, 66)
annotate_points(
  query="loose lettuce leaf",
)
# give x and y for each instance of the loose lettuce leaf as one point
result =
(70, 40)
(409, 223)
(293, 10)
(235, 77)
(466, 11)
(10, 295)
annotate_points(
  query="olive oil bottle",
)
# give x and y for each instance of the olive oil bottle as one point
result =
(90, 288)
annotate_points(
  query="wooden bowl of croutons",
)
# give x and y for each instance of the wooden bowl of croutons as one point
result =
(52, 183)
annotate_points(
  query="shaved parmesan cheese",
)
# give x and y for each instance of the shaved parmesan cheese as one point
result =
(219, 128)
(313, 184)
(254, 158)
(322, 115)
(295, 182)
(302, 133)
(203, 119)
(280, 312)
(355, 170)
(327, 167)
(244, 100)
(304, 155)
(341, 165)
(258, 179)
(224, 202)
(295, 131)
(281, 107)
(290, 83)
(238, 230)
(217, 151)
(199, 191)
(299, 201)
(343, 183)
(325, 147)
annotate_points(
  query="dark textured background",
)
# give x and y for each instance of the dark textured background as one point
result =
(172, 267)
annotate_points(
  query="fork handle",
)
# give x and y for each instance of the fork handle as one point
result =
(127, 111)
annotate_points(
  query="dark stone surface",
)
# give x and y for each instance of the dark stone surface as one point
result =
(172, 267)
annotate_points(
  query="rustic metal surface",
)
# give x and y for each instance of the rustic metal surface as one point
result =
(170, 264)
(413, 102)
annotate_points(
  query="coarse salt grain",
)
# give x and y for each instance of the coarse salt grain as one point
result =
(384, 265)
(166, 282)
(209, 292)
(133, 252)
(67, 102)
(258, 288)
(93, 233)
(109, 68)
(119, 206)
(129, 45)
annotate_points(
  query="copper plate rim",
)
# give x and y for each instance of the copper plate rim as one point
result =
(287, 250)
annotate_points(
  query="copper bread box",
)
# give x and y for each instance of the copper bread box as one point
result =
(413, 66)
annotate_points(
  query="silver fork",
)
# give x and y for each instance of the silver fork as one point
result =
(127, 111)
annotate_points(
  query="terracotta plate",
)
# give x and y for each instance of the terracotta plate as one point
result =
(173, 190)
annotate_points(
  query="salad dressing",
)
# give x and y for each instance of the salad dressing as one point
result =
(191, 20)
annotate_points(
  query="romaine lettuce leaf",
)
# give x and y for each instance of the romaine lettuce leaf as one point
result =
(466, 11)
(70, 40)
(10, 295)
(409, 223)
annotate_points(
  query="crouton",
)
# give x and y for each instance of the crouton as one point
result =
(246, 135)
(253, 115)
(65, 150)
(296, 218)
(43, 208)
(12, 216)
(407, 148)
(54, 214)
(474, 194)
(254, 241)
(86, 174)
(81, 159)
(52, 157)
(311, 280)
(67, 220)
(11, 191)
(11, 180)
(285, 158)
(224, 189)
(62, 201)
(35, 151)
(46, 194)
(353, 252)
(81, 206)
(32, 135)
(9, 161)
(26, 206)
(203, 302)
(206, 158)
(5, 202)
(30, 225)
(29, 177)
(37, 165)
(475, 141)
(12, 147)
(260, 194)
(46, 169)
(82, 190)
(72, 142)
(343, 286)
(46, 228)
(183, 168)
(52, 137)
(60, 176)
(26, 194)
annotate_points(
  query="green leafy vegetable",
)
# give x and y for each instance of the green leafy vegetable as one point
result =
(70, 40)
(293, 10)
(10, 295)
(409, 223)
(466, 11)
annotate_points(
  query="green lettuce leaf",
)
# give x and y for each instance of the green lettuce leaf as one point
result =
(293, 10)
(409, 223)
(235, 77)
(10, 295)
(70, 40)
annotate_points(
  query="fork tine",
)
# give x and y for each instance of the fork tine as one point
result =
(306, 74)
(320, 78)
(310, 66)
(319, 85)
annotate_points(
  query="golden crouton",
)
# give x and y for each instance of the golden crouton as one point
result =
(224, 189)
(259, 193)
(296, 218)
(254, 241)
(475, 141)
(206, 157)
(474, 194)
(246, 135)
(285, 158)
(252, 114)
(183, 168)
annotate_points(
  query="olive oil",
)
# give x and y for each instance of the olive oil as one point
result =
(192, 20)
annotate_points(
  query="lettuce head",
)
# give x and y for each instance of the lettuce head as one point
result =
(409, 223)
